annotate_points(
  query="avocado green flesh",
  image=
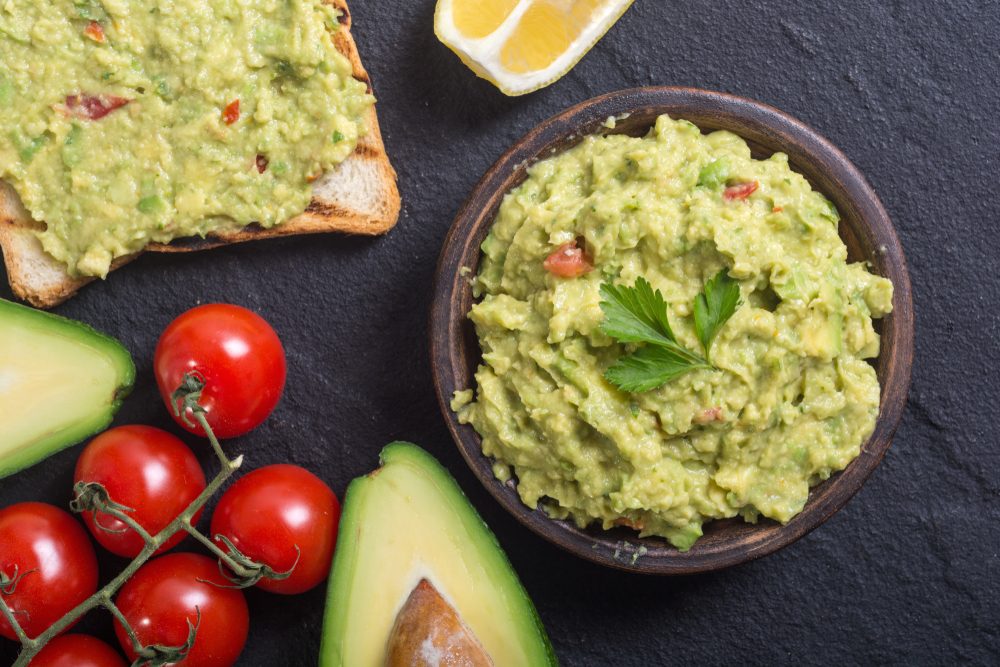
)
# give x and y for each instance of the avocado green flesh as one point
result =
(122, 139)
(60, 381)
(409, 521)
(795, 395)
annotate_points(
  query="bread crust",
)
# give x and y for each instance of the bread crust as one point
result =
(359, 196)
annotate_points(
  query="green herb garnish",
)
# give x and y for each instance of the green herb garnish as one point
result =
(90, 9)
(713, 307)
(638, 314)
(162, 87)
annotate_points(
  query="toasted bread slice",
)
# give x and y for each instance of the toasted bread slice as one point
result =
(358, 197)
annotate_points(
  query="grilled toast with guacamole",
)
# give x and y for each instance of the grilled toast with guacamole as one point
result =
(357, 196)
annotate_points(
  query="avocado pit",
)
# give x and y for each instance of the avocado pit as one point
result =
(428, 632)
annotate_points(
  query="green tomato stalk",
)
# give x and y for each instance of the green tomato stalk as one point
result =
(93, 497)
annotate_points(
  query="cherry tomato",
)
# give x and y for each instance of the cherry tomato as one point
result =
(740, 190)
(146, 469)
(77, 651)
(273, 510)
(49, 550)
(167, 592)
(568, 261)
(239, 356)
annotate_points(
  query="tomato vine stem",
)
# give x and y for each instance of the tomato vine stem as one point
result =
(94, 497)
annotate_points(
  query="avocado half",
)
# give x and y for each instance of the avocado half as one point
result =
(60, 381)
(406, 525)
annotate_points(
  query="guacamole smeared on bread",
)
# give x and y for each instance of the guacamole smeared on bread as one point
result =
(788, 398)
(126, 123)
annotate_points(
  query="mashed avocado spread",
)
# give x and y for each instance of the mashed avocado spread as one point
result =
(124, 122)
(792, 398)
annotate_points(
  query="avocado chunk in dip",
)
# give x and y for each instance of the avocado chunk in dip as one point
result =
(129, 122)
(791, 398)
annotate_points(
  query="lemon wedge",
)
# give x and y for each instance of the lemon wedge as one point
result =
(523, 45)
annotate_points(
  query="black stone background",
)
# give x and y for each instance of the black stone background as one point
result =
(907, 573)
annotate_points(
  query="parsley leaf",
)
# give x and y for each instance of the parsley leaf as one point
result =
(649, 368)
(713, 308)
(635, 314)
(638, 314)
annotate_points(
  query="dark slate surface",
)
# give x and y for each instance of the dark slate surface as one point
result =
(908, 573)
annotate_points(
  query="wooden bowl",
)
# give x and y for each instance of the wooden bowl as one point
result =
(865, 228)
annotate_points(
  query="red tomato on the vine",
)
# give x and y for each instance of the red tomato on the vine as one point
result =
(279, 513)
(238, 355)
(146, 469)
(77, 651)
(49, 563)
(167, 592)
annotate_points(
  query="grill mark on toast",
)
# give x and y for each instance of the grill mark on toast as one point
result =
(326, 209)
(366, 151)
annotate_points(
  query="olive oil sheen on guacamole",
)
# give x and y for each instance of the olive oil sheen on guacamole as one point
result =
(791, 397)
(129, 122)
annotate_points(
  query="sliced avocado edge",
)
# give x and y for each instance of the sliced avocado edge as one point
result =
(13, 315)
(346, 556)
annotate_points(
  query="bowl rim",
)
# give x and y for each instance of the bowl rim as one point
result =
(478, 212)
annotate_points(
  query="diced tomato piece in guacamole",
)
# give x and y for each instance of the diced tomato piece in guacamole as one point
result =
(568, 261)
(231, 113)
(740, 190)
(94, 107)
(95, 31)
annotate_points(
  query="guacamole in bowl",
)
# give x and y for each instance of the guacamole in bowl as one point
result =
(789, 396)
